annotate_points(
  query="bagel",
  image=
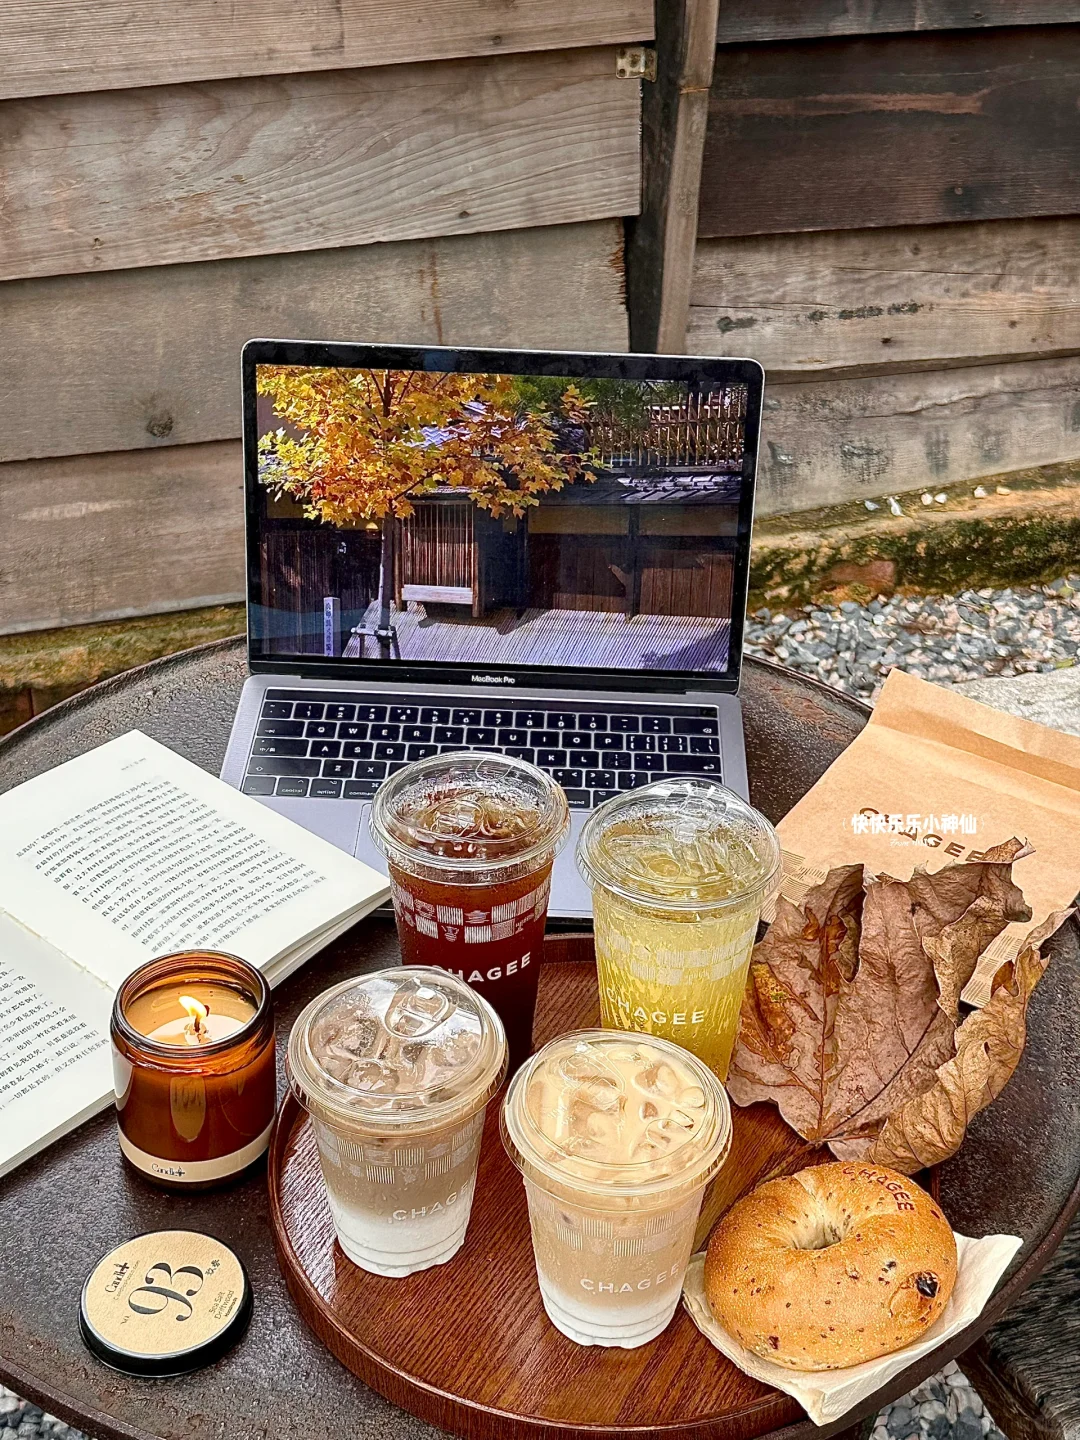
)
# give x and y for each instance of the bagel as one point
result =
(830, 1267)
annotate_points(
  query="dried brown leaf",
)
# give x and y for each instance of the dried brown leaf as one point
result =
(958, 914)
(852, 1005)
(786, 1046)
(930, 1127)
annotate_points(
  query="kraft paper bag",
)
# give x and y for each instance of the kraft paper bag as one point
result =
(935, 777)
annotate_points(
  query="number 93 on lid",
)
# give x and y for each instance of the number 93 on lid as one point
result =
(165, 1303)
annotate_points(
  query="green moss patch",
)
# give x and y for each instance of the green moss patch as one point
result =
(1025, 529)
(59, 662)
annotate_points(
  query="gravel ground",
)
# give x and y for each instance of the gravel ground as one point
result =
(19, 1420)
(853, 647)
(945, 1407)
(937, 637)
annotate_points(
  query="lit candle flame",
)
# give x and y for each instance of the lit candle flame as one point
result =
(197, 1013)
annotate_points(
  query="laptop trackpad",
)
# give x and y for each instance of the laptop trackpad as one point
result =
(335, 820)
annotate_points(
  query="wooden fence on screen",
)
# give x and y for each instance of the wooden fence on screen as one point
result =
(704, 429)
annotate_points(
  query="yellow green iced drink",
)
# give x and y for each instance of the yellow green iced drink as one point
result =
(680, 871)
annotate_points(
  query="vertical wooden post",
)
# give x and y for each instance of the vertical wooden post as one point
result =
(477, 566)
(331, 625)
(633, 561)
(674, 114)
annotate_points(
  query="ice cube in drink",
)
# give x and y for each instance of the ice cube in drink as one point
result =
(396, 1069)
(616, 1137)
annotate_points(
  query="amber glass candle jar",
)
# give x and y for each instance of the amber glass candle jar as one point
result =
(193, 1068)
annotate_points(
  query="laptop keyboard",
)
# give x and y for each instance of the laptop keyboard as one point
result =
(327, 745)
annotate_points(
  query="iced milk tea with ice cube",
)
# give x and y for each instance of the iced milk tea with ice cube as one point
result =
(470, 840)
(616, 1137)
(680, 871)
(396, 1069)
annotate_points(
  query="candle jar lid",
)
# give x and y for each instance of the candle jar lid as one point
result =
(406, 1047)
(136, 1294)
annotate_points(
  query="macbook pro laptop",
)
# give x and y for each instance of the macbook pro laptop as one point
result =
(542, 554)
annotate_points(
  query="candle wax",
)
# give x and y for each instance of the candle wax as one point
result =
(161, 1015)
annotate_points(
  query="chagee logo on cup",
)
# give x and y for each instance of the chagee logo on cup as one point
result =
(610, 1287)
(497, 972)
(655, 1017)
(421, 1212)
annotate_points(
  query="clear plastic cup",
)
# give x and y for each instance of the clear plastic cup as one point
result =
(396, 1069)
(616, 1137)
(680, 871)
(470, 839)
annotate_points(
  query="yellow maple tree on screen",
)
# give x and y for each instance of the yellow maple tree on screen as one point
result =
(360, 445)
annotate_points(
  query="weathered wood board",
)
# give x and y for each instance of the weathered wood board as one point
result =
(892, 130)
(741, 21)
(55, 47)
(151, 357)
(872, 299)
(674, 116)
(177, 173)
(139, 532)
(824, 441)
(101, 537)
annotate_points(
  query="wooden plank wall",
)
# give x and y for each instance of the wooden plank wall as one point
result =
(56, 47)
(178, 173)
(128, 360)
(889, 220)
(177, 180)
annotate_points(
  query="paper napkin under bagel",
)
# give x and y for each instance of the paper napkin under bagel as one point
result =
(826, 1395)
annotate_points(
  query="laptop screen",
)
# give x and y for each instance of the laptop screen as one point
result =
(500, 520)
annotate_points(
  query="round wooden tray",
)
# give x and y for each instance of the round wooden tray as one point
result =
(467, 1345)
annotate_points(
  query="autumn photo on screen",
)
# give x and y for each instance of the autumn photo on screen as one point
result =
(497, 519)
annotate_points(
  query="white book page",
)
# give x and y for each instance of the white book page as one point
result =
(130, 851)
(55, 1061)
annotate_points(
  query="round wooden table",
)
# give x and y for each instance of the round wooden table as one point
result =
(1019, 1171)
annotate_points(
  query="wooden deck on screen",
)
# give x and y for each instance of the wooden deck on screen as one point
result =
(555, 637)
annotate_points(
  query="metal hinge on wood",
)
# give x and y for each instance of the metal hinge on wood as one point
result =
(635, 62)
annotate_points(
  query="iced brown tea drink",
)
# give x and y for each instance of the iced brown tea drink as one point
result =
(396, 1069)
(470, 840)
(616, 1136)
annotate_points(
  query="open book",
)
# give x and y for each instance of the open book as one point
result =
(123, 854)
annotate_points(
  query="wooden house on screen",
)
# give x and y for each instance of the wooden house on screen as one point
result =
(655, 545)
(653, 534)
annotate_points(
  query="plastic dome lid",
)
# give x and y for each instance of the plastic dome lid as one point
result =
(398, 1048)
(469, 811)
(687, 843)
(616, 1112)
